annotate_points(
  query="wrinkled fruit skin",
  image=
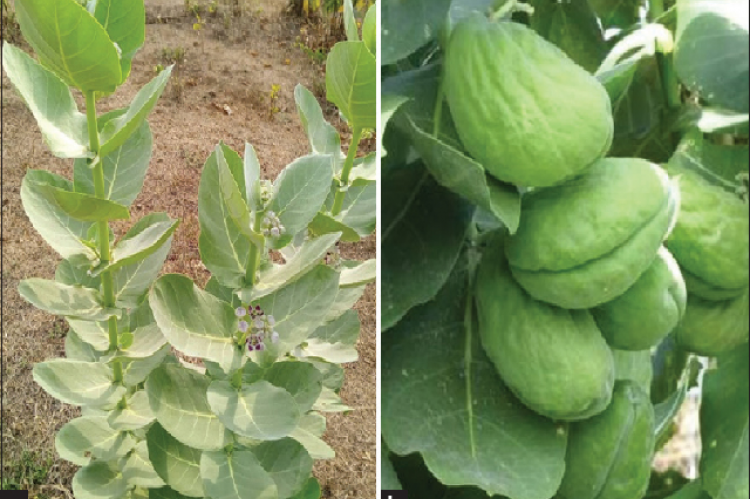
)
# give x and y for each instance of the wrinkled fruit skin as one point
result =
(554, 360)
(585, 242)
(609, 456)
(522, 108)
(648, 311)
(710, 239)
(711, 328)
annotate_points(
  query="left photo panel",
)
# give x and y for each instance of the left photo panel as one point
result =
(189, 250)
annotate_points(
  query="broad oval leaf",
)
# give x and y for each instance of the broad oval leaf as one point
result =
(308, 433)
(238, 475)
(418, 254)
(136, 370)
(136, 413)
(711, 51)
(234, 199)
(300, 191)
(83, 207)
(359, 210)
(177, 397)
(177, 464)
(370, 29)
(77, 349)
(62, 232)
(409, 25)
(143, 240)
(99, 480)
(68, 40)
(311, 490)
(274, 277)
(50, 101)
(91, 436)
(300, 379)
(195, 322)
(260, 410)
(351, 82)
(125, 23)
(324, 223)
(62, 379)
(358, 274)
(335, 341)
(124, 168)
(288, 464)
(323, 137)
(724, 427)
(466, 424)
(138, 470)
(344, 300)
(116, 131)
(61, 299)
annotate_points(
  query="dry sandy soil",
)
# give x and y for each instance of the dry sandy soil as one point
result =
(233, 61)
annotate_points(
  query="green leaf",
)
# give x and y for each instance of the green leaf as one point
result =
(669, 362)
(116, 131)
(713, 120)
(50, 101)
(370, 29)
(238, 475)
(323, 223)
(418, 254)
(335, 341)
(94, 334)
(362, 273)
(195, 322)
(634, 366)
(138, 470)
(406, 26)
(350, 22)
(125, 23)
(724, 427)
(65, 380)
(344, 300)
(234, 199)
(302, 380)
(178, 399)
(132, 280)
(136, 370)
(311, 427)
(301, 189)
(573, 27)
(323, 137)
(666, 411)
(135, 414)
(617, 13)
(389, 104)
(124, 168)
(288, 464)
(329, 401)
(223, 249)
(274, 277)
(711, 51)
(142, 240)
(99, 480)
(91, 436)
(351, 82)
(71, 42)
(692, 490)
(62, 232)
(389, 480)
(61, 299)
(174, 462)
(365, 168)
(466, 424)
(260, 410)
(359, 210)
(164, 493)
(251, 174)
(77, 349)
(147, 338)
(84, 207)
(301, 306)
(311, 490)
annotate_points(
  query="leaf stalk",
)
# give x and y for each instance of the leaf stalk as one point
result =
(338, 200)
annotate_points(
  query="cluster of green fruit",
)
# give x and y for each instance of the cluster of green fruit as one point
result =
(611, 254)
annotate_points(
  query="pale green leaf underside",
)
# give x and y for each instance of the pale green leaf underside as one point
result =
(323, 137)
(136, 414)
(177, 464)
(99, 480)
(288, 464)
(358, 275)
(351, 82)
(62, 379)
(50, 101)
(329, 401)
(61, 299)
(138, 470)
(236, 476)
(88, 436)
(234, 200)
(308, 432)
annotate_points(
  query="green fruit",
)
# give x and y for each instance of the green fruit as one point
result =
(710, 328)
(554, 360)
(710, 239)
(609, 456)
(523, 109)
(644, 314)
(585, 242)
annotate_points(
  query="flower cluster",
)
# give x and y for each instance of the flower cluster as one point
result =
(271, 225)
(266, 192)
(259, 325)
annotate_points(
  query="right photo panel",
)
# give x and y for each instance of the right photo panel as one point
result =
(564, 249)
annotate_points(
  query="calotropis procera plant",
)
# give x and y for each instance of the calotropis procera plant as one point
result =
(271, 333)
(565, 241)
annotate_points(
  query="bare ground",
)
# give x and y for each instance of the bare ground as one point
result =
(220, 91)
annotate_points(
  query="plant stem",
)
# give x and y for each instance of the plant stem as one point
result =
(103, 227)
(253, 259)
(437, 114)
(338, 201)
(655, 8)
(237, 379)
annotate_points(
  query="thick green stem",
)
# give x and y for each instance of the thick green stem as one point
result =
(108, 288)
(655, 8)
(669, 80)
(253, 259)
(338, 201)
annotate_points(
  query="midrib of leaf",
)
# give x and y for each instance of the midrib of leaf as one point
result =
(249, 415)
(406, 207)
